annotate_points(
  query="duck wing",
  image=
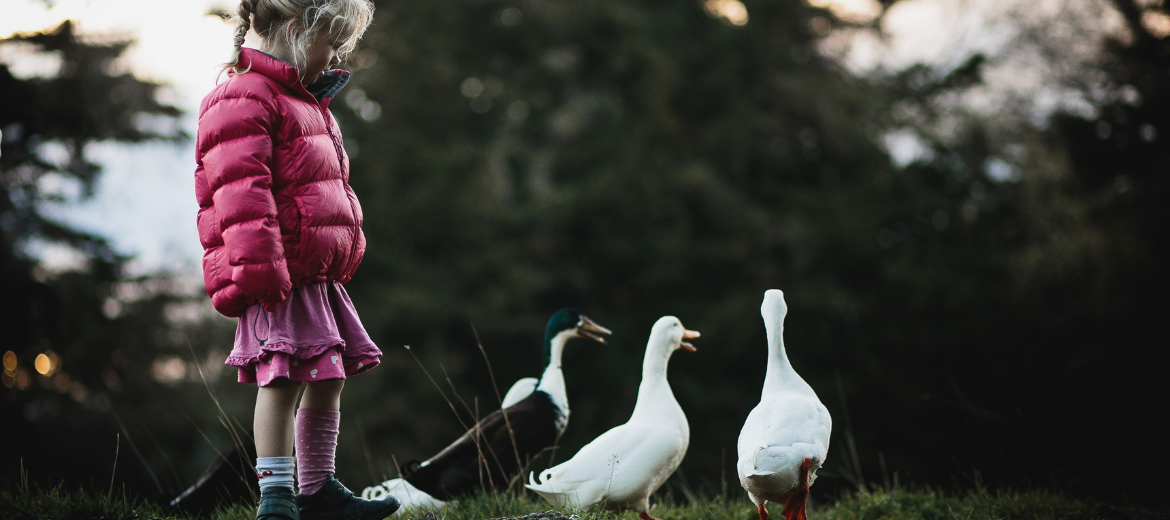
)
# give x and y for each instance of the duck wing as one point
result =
(520, 389)
(625, 463)
(466, 464)
(780, 432)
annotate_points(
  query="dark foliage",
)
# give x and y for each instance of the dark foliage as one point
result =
(634, 160)
(637, 160)
(99, 330)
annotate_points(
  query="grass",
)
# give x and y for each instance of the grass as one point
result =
(61, 503)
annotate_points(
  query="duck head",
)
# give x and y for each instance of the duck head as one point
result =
(773, 310)
(666, 336)
(568, 323)
(669, 332)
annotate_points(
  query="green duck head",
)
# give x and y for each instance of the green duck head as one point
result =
(571, 321)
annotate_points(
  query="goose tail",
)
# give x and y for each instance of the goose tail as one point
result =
(531, 481)
(544, 485)
(546, 488)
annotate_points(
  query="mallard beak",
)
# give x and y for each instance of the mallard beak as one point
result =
(587, 328)
(689, 334)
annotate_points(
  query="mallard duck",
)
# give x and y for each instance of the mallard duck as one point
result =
(536, 416)
(786, 437)
(623, 466)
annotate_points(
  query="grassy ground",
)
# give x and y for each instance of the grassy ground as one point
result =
(926, 504)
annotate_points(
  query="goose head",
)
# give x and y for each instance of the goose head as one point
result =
(566, 324)
(668, 334)
(773, 310)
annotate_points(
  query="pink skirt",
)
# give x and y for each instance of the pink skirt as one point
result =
(313, 335)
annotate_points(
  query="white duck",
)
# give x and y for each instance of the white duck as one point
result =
(409, 496)
(786, 437)
(623, 466)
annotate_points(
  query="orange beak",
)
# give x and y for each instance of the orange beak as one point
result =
(689, 334)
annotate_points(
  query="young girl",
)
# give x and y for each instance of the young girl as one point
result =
(281, 230)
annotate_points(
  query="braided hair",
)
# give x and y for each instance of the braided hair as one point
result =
(272, 19)
(243, 21)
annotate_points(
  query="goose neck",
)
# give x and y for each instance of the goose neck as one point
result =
(655, 363)
(780, 372)
(654, 393)
(655, 401)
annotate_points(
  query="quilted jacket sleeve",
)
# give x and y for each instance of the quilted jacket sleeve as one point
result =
(235, 154)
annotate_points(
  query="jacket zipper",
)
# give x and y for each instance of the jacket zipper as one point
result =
(344, 174)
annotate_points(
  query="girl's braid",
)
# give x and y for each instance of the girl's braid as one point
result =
(271, 18)
(243, 24)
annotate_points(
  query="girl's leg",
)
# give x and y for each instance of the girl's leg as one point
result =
(325, 395)
(273, 422)
(323, 498)
(316, 434)
(273, 428)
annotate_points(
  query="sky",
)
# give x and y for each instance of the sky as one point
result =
(145, 203)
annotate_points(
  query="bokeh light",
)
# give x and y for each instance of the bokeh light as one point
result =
(169, 370)
(10, 361)
(77, 392)
(731, 10)
(855, 11)
(22, 379)
(43, 364)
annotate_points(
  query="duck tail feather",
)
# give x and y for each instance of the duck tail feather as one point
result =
(539, 487)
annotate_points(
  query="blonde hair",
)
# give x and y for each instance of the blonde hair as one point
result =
(348, 19)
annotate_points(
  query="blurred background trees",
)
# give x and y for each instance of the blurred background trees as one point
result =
(983, 309)
(87, 349)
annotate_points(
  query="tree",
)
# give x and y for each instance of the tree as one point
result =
(80, 343)
(637, 160)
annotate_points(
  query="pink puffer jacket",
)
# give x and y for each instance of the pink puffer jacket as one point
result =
(272, 179)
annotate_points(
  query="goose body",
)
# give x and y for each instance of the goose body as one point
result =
(626, 464)
(490, 453)
(786, 437)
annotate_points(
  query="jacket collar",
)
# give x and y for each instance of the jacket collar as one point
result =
(331, 82)
(284, 73)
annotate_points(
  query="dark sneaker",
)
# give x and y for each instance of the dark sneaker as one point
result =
(277, 503)
(334, 502)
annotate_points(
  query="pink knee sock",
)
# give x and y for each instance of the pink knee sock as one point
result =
(316, 439)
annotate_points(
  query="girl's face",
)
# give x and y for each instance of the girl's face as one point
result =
(321, 56)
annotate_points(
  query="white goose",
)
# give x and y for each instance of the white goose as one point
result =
(623, 466)
(786, 437)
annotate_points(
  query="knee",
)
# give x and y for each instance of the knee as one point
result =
(325, 388)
